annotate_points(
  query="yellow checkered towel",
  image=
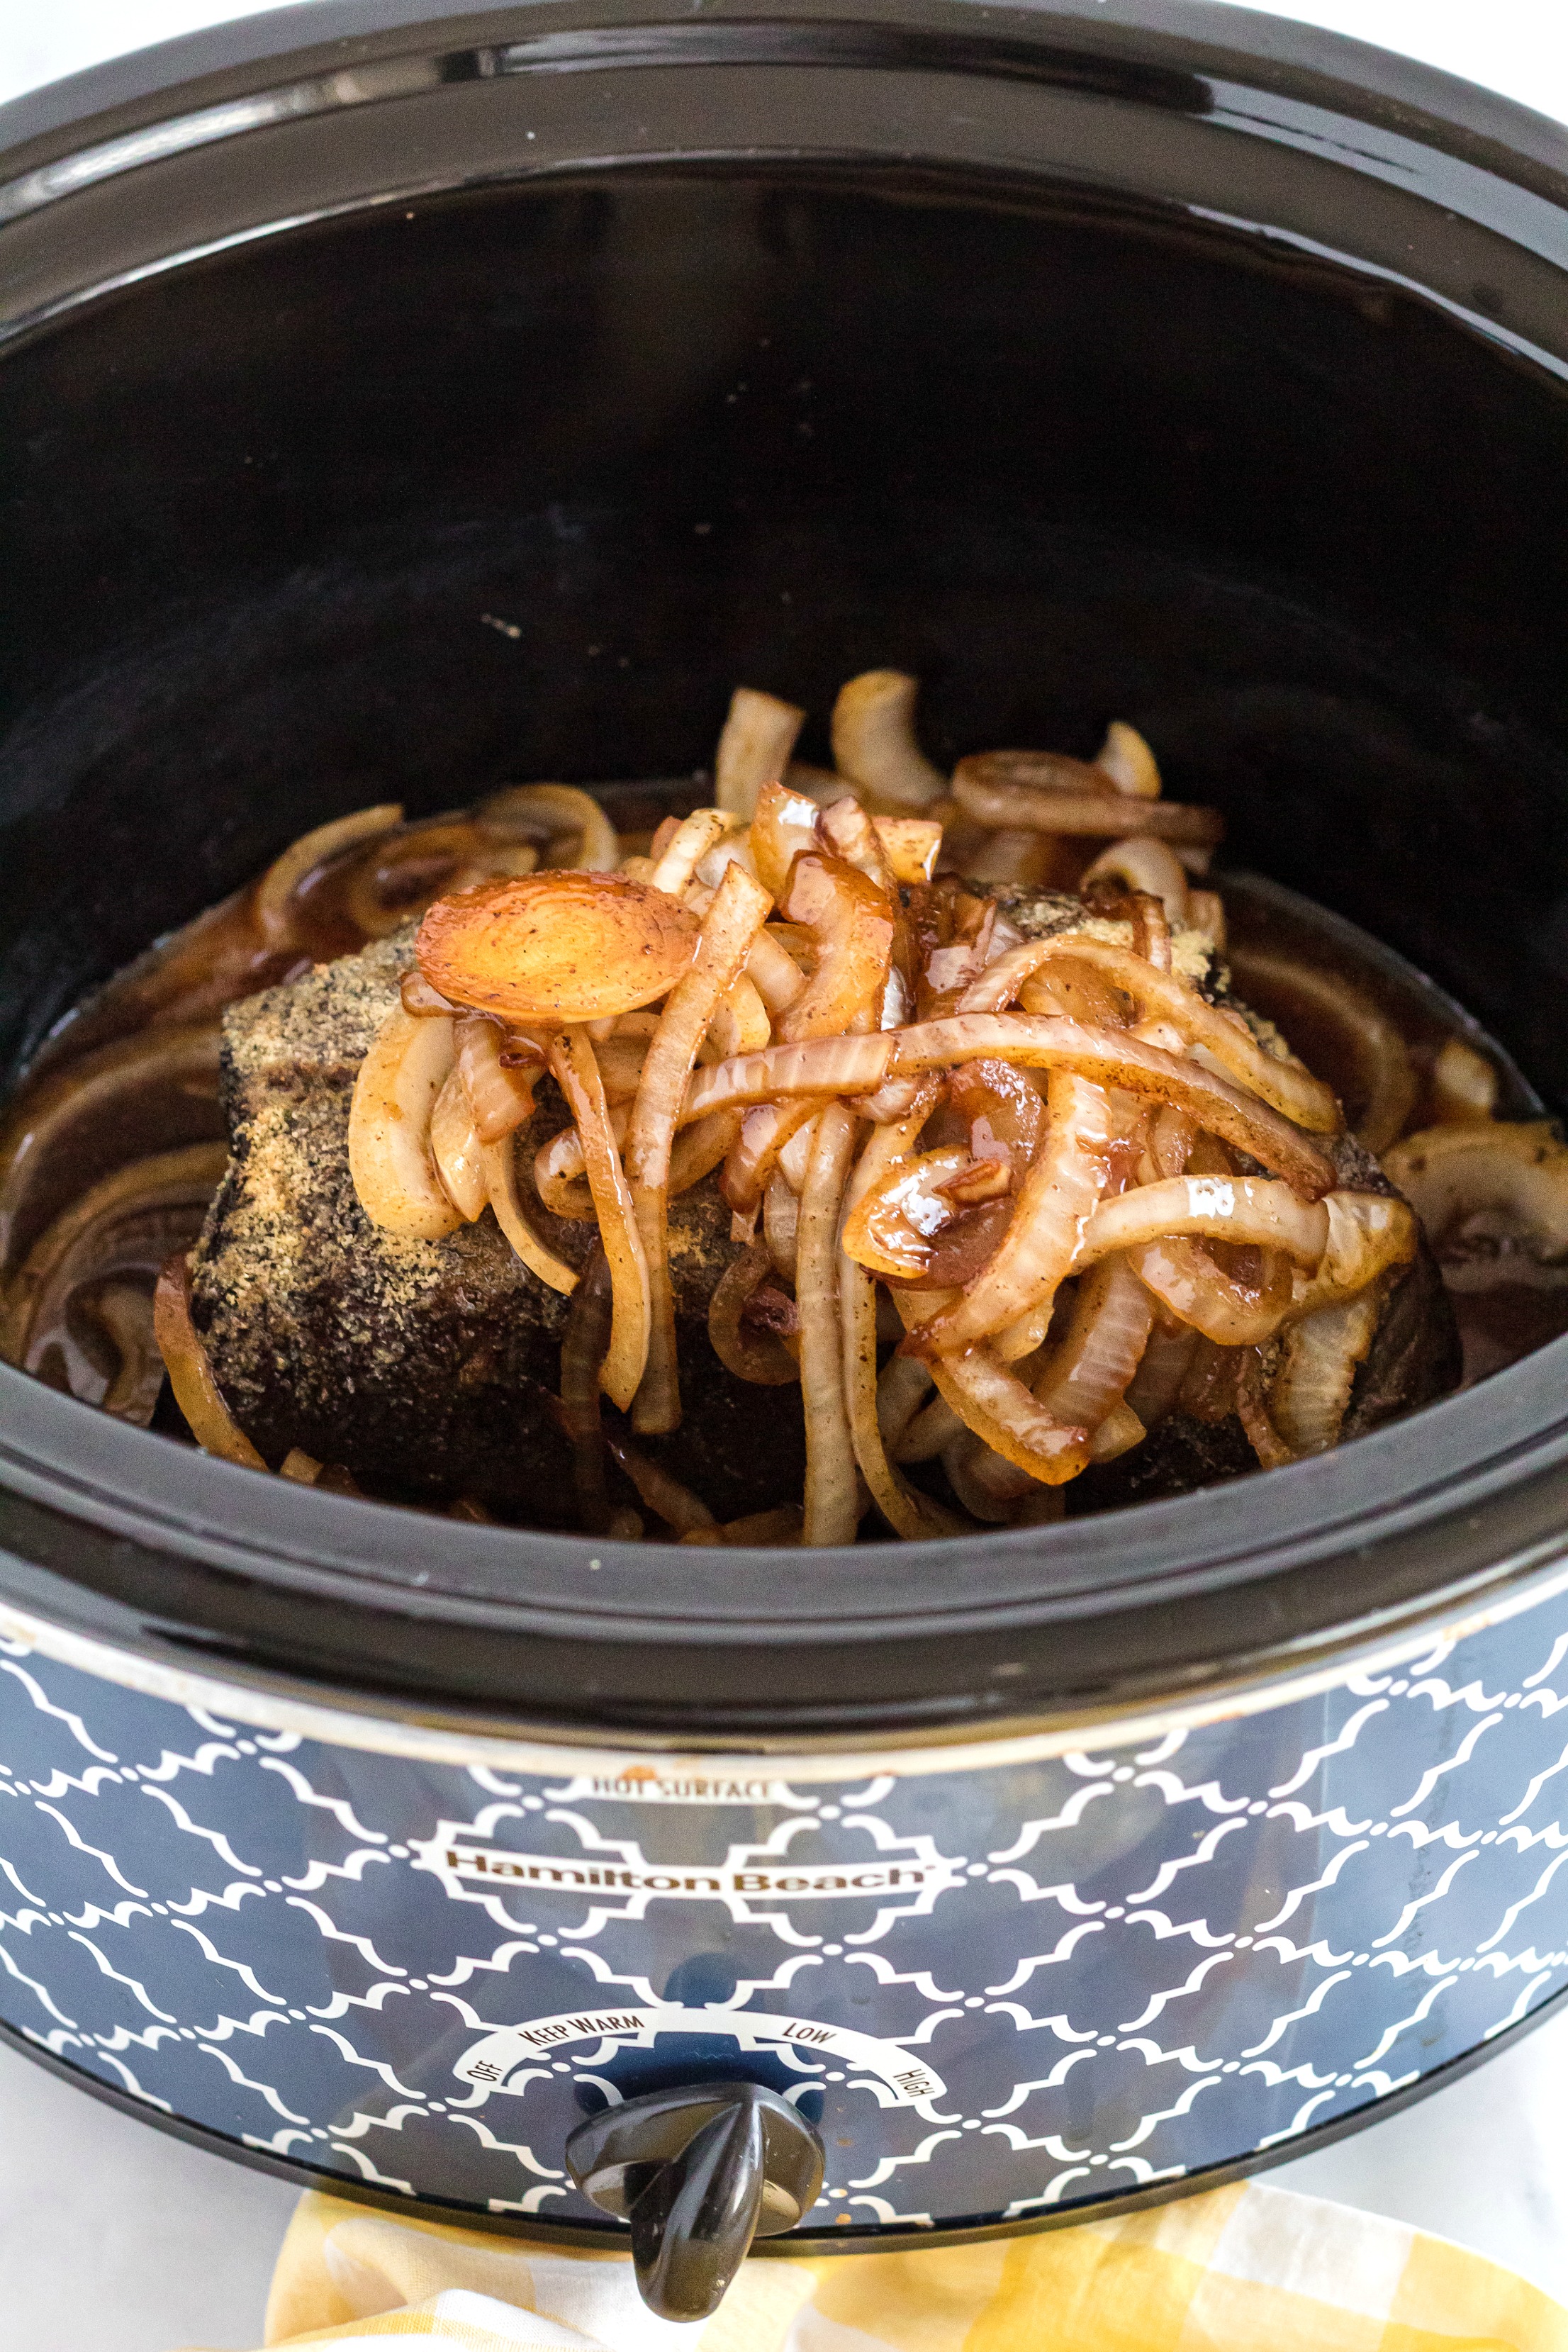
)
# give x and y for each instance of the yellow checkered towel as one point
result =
(1244, 2269)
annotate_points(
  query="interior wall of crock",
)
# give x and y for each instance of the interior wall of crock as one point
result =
(678, 430)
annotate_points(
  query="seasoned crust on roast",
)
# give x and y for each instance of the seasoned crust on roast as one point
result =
(427, 1368)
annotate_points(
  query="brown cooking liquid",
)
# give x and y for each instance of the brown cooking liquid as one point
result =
(113, 1146)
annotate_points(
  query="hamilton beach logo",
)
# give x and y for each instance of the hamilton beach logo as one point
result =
(516, 2055)
(616, 1879)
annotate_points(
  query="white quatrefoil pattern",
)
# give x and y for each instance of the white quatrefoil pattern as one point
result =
(998, 1991)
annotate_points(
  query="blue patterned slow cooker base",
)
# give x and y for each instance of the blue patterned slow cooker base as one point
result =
(1000, 1988)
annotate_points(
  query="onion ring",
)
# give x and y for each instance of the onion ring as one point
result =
(498, 1161)
(757, 1357)
(740, 908)
(584, 1347)
(1317, 1372)
(874, 741)
(395, 1095)
(832, 1501)
(995, 789)
(1126, 758)
(576, 1072)
(1285, 1087)
(196, 1392)
(1114, 1058)
(1228, 1311)
(1249, 1210)
(274, 908)
(455, 1148)
(1145, 865)
(1065, 1180)
(1378, 1068)
(760, 733)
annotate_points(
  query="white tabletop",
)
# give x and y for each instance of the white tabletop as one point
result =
(115, 2238)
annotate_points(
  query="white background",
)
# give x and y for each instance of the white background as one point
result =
(116, 2239)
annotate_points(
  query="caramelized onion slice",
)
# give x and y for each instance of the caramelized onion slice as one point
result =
(1230, 1312)
(774, 972)
(73, 1126)
(1360, 1040)
(1127, 760)
(874, 740)
(274, 909)
(1245, 1209)
(780, 1224)
(996, 1404)
(1117, 1059)
(873, 1405)
(387, 883)
(740, 908)
(928, 1432)
(824, 1066)
(758, 735)
(1507, 1181)
(758, 1529)
(455, 1148)
(1317, 1372)
(116, 1237)
(583, 1350)
(569, 945)
(1144, 863)
(1089, 1372)
(1065, 1180)
(1464, 1085)
(832, 1498)
(751, 1355)
(910, 846)
(850, 833)
(1369, 1234)
(740, 1026)
(763, 1135)
(560, 818)
(997, 789)
(785, 826)
(389, 1129)
(1285, 1087)
(500, 1163)
(1167, 1358)
(682, 1512)
(499, 1092)
(576, 1072)
(892, 1227)
(850, 922)
(196, 1392)
(687, 845)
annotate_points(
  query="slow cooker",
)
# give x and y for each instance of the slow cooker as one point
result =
(397, 398)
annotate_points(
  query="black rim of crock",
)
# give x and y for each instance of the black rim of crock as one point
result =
(115, 1532)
